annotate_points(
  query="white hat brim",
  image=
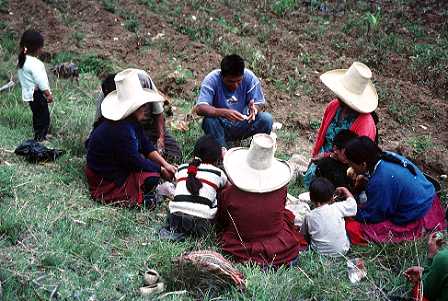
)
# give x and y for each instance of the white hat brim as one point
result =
(252, 180)
(114, 109)
(366, 102)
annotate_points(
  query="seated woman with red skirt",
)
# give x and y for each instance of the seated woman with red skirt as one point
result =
(401, 203)
(123, 167)
(255, 224)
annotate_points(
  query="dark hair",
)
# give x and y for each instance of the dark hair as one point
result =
(321, 190)
(30, 42)
(193, 183)
(333, 170)
(343, 137)
(206, 150)
(232, 65)
(362, 149)
(108, 84)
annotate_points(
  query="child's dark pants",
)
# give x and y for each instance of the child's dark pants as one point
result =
(41, 115)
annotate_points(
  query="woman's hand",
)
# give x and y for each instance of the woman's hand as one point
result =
(361, 182)
(167, 171)
(320, 156)
(344, 192)
(414, 274)
(435, 241)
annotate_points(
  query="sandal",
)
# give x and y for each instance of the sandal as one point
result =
(151, 277)
(149, 290)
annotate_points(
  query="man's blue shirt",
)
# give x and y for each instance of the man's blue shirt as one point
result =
(214, 92)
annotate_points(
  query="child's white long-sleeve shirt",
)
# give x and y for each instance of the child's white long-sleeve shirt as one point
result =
(326, 227)
(31, 76)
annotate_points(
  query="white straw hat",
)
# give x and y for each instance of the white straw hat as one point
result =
(353, 86)
(255, 169)
(128, 97)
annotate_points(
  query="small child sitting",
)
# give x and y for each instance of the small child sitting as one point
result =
(324, 226)
(194, 205)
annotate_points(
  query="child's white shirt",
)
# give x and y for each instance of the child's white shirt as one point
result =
(326, 227)
(31, 76)
(212, 179)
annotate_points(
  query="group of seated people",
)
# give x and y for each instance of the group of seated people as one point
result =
(242, 192)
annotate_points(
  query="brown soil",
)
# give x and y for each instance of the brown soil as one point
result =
(422, 111)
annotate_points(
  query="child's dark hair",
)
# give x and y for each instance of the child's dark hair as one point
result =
(30, 42)
(206, 150)
(342, 138)
(321, 190)
(108, 84)
(232, 65)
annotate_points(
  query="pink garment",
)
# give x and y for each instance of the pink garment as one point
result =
(387, 232)
(364, 125)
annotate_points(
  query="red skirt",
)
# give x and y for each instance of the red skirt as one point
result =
(129, 194)
(275, 251)
(388, 232)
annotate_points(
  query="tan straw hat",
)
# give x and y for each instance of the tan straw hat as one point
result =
(353, 86)
(255, 169)
(128, 97)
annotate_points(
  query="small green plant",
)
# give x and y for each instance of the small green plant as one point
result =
(95, 64)
(78, 37)
(131, 24)
(182, 75)
(3, 25)
(314, 124)
(228, 26)
(4, 5)
(8, 44)
(110, 5)
(281, 7)
(420, 144)
(373, 21)
(64, 56)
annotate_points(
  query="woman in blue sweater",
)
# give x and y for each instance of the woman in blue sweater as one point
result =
(401, 203)
(123, 167)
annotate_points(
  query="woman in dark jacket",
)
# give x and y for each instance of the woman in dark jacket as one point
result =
(123, 167)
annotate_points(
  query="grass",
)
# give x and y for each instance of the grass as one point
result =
(53, 236)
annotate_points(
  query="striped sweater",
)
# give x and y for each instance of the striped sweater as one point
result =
(205, 204)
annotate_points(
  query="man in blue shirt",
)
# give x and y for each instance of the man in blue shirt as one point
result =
(230, 100)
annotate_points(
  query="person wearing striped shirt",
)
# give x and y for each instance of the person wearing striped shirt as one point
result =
(195, 205)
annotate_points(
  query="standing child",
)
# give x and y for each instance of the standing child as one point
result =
(194, 205)
(34, 81)
(324, 226)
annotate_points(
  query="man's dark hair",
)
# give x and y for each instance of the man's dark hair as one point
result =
(321, 190)
(342, 138)
(232, 65)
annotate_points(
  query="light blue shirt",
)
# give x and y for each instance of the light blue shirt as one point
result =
(215, 93)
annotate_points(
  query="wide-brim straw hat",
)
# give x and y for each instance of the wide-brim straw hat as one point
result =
(353, 86)
(128, 97)
(255, 169)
